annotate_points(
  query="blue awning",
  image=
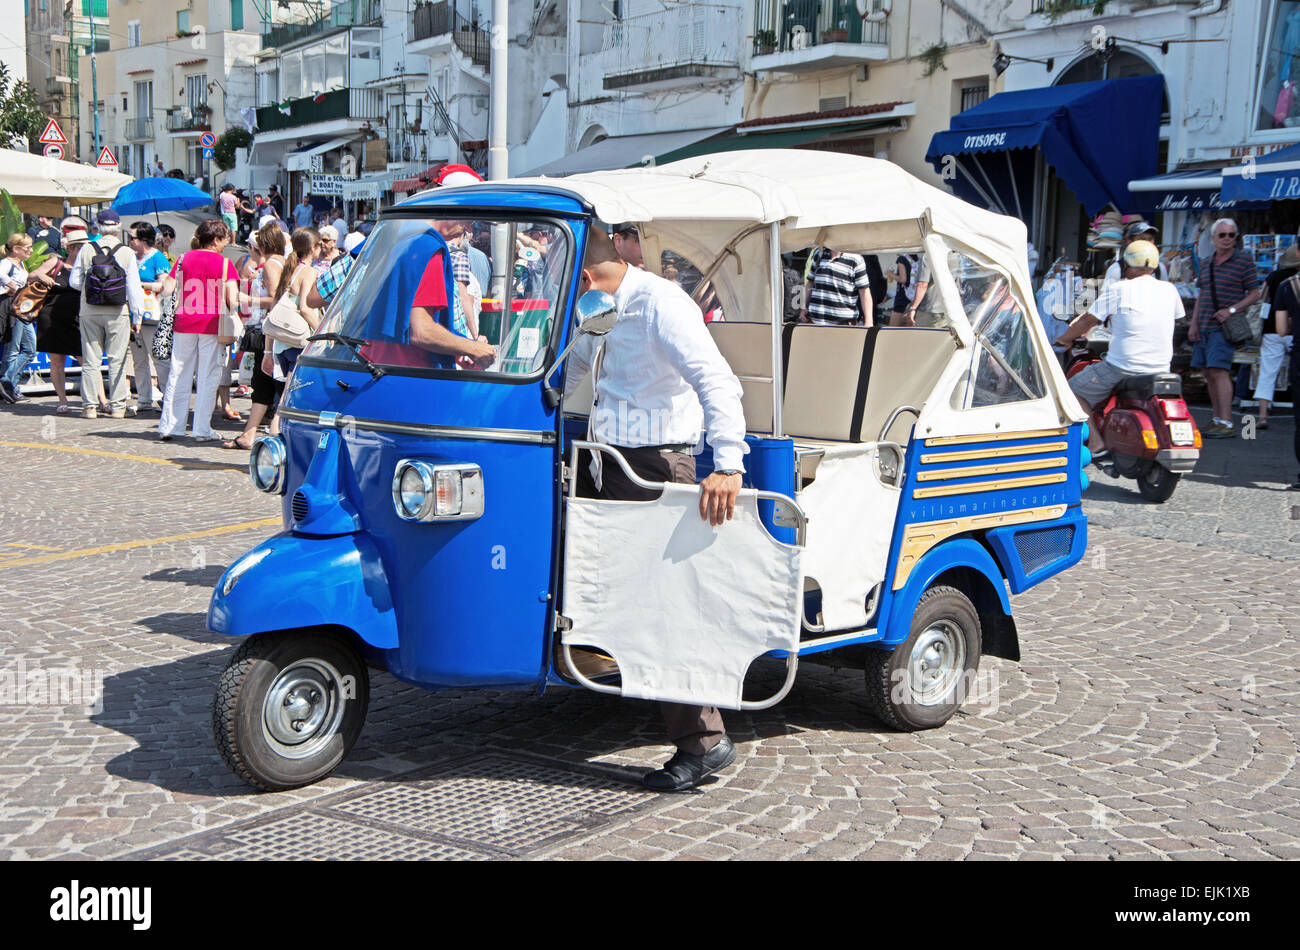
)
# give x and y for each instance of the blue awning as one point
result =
(1274, 177)
(1190, 190)
(1098, 136)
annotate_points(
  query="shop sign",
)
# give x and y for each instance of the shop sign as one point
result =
(1194, 201)
(362, 191)
(985, 140)
(328, 185)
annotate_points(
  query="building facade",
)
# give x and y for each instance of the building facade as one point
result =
(174, 70)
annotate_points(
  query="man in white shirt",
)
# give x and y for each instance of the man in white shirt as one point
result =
(1142, 311)
(660, 381)
(106, 328)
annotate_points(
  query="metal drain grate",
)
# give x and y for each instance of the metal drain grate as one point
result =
(470, 807)
(499, 802)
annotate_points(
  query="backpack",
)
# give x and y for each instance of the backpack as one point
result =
(105, 278)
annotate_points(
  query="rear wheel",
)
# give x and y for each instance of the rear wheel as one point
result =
(1157, 483)
(289, 708)
(924, 680)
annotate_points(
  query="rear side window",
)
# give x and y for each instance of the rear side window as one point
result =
(1004, 366)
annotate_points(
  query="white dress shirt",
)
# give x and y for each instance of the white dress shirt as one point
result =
(661, 378)
(127, 260)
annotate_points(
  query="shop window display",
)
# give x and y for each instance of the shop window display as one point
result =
(1279, 77)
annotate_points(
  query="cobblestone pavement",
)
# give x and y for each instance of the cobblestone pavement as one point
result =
(1154, 715)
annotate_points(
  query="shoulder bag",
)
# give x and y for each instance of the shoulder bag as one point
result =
(162, 337)
(1243, 328)
(28, 301)
(229, 326)
(284, 324)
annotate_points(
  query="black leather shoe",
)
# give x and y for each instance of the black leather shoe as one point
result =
(685, 771)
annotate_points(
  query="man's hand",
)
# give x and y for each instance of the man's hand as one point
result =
(478, 354)
(1222, 315)
(718, 497)
(1194, 330)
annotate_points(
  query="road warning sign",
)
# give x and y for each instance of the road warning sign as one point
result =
(53, 135)
(54, 150)
(106, 159)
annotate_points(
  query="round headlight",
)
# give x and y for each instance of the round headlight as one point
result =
(266, 464)
(412, 489)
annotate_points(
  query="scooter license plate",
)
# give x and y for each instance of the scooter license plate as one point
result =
(1180, 432)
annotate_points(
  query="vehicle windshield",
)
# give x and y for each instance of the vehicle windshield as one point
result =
(502, 283)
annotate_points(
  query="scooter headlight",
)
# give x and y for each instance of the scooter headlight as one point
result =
(266, 463)
(424, 492)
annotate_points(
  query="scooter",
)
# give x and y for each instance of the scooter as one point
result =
(1145, 423)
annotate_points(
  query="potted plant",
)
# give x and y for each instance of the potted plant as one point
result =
(765, 42)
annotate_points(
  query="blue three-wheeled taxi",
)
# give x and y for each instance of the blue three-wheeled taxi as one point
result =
(901, 482)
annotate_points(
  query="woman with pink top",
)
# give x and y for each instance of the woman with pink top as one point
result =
(207, 280)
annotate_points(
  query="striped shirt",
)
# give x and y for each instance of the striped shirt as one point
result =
(835, 286)
(1233, 279)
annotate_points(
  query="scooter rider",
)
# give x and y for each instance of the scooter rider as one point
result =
(659, 364)
(1142, 311)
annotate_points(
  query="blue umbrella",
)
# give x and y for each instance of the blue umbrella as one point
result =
(159, 194)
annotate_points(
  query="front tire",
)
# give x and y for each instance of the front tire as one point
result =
(1157, 483)
(923, 681)
(289, 707)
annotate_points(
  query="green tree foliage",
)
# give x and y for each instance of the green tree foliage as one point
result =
(20, 112)
(224, 151)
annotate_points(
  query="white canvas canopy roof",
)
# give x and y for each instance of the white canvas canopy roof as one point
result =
(722, 205)
(41, 185)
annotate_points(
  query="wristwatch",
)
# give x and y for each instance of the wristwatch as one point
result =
(727, 471)
(1231, 311)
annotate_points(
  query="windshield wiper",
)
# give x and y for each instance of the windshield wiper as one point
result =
(353, 344)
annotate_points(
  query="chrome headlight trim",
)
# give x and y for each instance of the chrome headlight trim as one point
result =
(278, 458)
(425, 471)
(471, 485)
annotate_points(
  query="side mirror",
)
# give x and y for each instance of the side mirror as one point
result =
(596, 313)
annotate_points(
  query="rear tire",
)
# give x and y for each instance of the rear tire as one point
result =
(289, 707)
(923, 681)
(1157, 483)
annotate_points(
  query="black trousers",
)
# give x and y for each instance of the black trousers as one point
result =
(693, 729)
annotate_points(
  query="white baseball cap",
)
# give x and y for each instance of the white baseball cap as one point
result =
(352, 240)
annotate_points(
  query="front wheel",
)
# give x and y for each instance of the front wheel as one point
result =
(289, 707)
(1157, 483)
(924, 680)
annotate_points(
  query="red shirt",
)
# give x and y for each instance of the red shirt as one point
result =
(199, 308)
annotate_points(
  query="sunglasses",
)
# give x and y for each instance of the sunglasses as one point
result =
(1227, 234)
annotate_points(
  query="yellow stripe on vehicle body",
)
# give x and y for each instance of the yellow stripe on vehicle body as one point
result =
(1003, 452)
(943, 474)
(920, 538)
(993, 437)
(997, 485)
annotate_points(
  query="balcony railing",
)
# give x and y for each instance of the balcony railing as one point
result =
(339, 16)
(688, 41)
(137, 129)
(440, 19)
(1059, 6)
(781, 25)
(336, 104)
(189, 119)
(57, 85)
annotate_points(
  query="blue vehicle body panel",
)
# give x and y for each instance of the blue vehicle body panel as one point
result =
(307, 582)
(964, 549)
(466, 603)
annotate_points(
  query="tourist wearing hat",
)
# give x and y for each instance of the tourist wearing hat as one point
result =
(58, 330)
(1136, 231)
(106, 328)
(1142, 311)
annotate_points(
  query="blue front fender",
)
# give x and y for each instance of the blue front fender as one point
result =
(295, 581)
(896, 616)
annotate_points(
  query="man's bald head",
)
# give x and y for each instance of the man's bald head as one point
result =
(602, 267)
(600, 249)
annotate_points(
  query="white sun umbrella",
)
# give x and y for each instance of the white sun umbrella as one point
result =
(41, 185)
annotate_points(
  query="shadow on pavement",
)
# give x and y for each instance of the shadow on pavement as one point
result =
(167, 710)
(193, 577)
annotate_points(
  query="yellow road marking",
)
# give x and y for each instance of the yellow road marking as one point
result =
(123, 455)
(127, 545)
